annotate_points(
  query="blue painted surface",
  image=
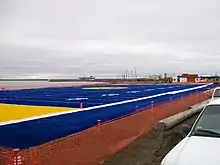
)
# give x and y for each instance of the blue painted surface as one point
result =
(64, 97)
(30, 133)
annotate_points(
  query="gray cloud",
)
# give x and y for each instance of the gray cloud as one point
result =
(103, 38)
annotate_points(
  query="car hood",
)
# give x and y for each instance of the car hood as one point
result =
(195, 150)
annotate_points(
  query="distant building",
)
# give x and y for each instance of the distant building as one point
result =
(194, 78)
(154, 77)
(190, 78)
(175, 79)
(90, 78)
(208, 78)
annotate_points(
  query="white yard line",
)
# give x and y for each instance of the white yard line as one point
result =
(97, 107)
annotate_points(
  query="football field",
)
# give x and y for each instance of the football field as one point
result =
(36, 116)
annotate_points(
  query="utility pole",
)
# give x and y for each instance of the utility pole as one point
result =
(135, 73)
(123, 76)
(128, 74)
(131, 74)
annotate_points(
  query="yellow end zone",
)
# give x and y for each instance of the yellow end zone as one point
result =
(10, 112)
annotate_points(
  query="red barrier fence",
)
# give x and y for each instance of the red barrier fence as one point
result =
(94, 145)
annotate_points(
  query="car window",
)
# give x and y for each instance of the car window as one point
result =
(217, 93)
(209, 122)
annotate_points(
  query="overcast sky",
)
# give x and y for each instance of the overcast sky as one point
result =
(61, 38)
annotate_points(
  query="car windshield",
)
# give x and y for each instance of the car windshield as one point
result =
(208, 123)
(217, 93)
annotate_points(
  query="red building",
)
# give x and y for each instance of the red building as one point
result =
(190, 78)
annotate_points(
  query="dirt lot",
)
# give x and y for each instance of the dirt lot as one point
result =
(151, 148)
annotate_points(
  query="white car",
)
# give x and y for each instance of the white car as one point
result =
(216, 93)
(201, 146)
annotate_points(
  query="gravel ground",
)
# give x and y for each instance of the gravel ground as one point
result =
(151, 148)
